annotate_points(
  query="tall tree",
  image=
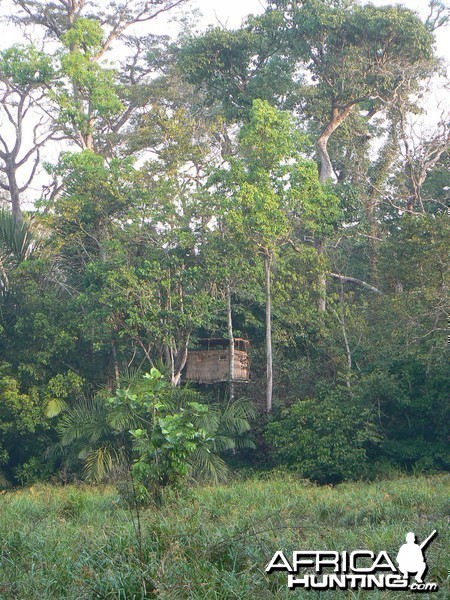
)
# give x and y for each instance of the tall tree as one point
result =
(272, 190)
(359, 57)
(90, 95)
(235, 67)
(25, 76)
(333, 62)
(95, 100)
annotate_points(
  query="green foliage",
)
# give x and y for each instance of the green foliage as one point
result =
(26, 67)
(273, 188)
(324, 438)
(417, 253)
(357, 52)
(411, 403)
(234, 68)
(86, 34)
(22, 422)
(90, 96)
(60, 389)
(94, 190)
(34, 470)
(17, 244)
(128, 261)
(353, 54)
(165, 453)
(163, 435)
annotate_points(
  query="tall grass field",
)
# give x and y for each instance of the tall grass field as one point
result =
(78, 542)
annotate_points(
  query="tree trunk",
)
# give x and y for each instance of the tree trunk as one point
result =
(373, 243)
(337, 117)
(269, 388)
(168, 360)
(180, 362)
(322, 278)
(231, 338)
(116, 364)
(325, 174)
(347, 345)
(326, 168)
(381, 171)
(14, 193)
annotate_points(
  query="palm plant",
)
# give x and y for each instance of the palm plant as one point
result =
(228, 426)
(156, 425)
(88, 432)
(16, 245)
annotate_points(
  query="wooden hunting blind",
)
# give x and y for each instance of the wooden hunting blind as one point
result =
(211, 363)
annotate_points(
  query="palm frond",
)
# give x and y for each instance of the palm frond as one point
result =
(54, 451)
(16, 239)
(208, 466)
(99, 462)
(223, 443)
(55, 406)
(210, 420)
(244, 442)
(121, 418)
(87, 419)
(130, 377)
(236, 416)
(179, 397)
(16, 245)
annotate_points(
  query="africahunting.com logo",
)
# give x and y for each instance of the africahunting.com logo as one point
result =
(360, 569)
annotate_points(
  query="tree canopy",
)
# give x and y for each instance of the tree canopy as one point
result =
(283, 182)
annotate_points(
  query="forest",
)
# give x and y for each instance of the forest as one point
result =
(283, 183)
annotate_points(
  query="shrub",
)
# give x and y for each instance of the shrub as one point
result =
(323, 438)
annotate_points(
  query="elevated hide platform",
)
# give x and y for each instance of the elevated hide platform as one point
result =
(210, 363)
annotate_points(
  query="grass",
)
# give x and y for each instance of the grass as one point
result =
(210, 542)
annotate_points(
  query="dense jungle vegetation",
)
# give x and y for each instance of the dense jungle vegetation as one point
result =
(285, 182)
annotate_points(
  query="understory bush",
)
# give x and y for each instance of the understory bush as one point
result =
(324, 438)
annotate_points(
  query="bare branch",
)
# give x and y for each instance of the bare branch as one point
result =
(32, 174)
(355, 280)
